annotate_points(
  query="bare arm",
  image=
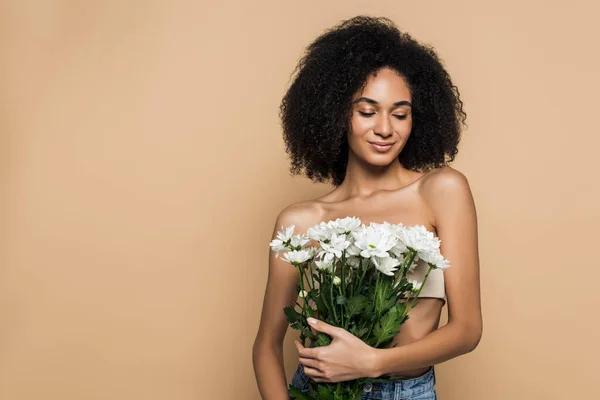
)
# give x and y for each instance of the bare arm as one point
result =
(450, 198)
(267, 352)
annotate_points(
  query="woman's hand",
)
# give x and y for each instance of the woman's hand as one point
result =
(345, 358)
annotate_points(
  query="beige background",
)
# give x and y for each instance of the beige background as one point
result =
(143, 168)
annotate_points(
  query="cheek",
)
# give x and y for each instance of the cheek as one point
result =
(404, 128)
(360, 126)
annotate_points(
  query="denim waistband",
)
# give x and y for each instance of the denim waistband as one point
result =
(401, 388)
(398, 388)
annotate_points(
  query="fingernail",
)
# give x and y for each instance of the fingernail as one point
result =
(311, 320)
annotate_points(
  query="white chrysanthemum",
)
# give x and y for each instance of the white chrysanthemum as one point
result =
(399, 249)
(336, 245)
(353, 262)
(436, 258)
(383, 225)
(325, 265)
(346, 225)
(337, 280)
(313, 251)
(395, 229)
(419, 238)
(326, 257)
(352, 250)
(374, 240)
(298, 256)
(416, 285)
(278, 245)
(298, 241)
(386, 265)
(412, 266)
(303, 294)
(320, 232)
(285, 236)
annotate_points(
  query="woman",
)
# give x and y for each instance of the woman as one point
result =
(376, 113)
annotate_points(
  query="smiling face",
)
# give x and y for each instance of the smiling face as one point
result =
(381, 119)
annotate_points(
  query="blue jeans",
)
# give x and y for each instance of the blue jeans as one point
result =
(419, 388)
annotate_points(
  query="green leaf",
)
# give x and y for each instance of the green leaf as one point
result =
(324, 291)
(321, 306)
(297, 394)
(356, 304)
(341, 299)
(325, 392)
(385, 295)
(362, 332)
(292, 315)
(368, 315)
(389, 324)
(323, 339)
(309, 312)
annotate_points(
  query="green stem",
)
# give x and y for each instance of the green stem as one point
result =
(327, 305)
(406, 263)
(341, 308)
(414, 299)
(309, 271)
(362, 276)
(343, 275)
(312, 270)
(343, 286)
(378, 314)
(301, 281)
(332, 302)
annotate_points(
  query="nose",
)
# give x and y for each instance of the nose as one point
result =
(383, 126)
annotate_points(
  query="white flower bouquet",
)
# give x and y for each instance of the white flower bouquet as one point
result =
(355, 279)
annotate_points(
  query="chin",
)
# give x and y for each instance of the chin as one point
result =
(381, 161)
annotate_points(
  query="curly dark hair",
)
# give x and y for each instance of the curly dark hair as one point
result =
(315, 111)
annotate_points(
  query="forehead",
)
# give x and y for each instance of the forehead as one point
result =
(386, 86)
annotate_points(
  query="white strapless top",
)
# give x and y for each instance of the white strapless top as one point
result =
(434, 287)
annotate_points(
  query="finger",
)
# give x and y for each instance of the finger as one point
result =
(298, 345)
(309, 362)
(306, 352)
(324, 327)
(314, 374)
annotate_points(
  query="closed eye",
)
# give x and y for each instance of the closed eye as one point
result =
(368, 115)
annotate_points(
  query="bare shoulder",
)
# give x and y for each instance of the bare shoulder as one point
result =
(446, 189)
(302, 215)
(444, 180)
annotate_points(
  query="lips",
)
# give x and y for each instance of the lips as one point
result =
(381, 147)
(382, 143)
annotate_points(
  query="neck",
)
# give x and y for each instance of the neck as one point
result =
(363, 179)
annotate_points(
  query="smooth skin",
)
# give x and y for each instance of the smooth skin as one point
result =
(377, 188)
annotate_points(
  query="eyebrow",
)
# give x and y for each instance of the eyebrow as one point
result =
(396, 104)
